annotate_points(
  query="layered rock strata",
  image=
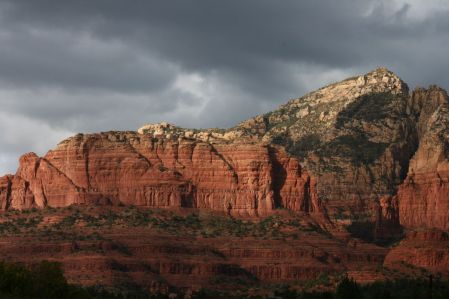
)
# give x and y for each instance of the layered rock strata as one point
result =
(240, 178)
(371, 148)
(423, 249)
(424, 196)
(355, 136)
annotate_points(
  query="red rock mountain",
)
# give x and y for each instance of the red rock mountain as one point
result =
(363, 147)
(364, 153)
(243, 178)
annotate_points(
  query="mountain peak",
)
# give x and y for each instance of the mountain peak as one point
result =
(385, 78)
(379, 80)
(317, 111)
(383, 70)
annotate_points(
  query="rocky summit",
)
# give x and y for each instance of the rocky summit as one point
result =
(324, 184)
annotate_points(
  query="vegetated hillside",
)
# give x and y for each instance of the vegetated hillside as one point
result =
(361, 138)
(127, 248)
(356, 136)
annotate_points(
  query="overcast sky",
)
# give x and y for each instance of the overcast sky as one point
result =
(97, 65)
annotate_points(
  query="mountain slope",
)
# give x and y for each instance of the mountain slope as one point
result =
(356, 136)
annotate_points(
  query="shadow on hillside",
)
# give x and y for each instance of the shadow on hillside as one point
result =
(366, 231)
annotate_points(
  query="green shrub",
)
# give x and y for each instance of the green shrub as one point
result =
(348, 288)
(45, 281)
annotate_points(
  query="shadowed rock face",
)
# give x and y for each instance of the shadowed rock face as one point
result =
(361, 138)
(421, 200)
(355, 136)
(426, 249)
(424, 196)
(241, 178)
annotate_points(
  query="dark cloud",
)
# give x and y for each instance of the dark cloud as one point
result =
(68, 66)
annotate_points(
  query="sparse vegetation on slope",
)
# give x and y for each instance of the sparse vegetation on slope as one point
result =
(46, 225)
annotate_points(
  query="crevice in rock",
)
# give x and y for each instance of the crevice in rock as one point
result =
(61, 173)
(231, 168)
(85, 149)
(278, 175)
(8, 193)
(136, 151)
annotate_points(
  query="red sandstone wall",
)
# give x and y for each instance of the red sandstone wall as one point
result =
(424, 196)
(248, 178)
(423, 199)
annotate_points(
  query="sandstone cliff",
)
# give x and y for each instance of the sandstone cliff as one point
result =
(424, 196)
(358, 140)
(241, 178)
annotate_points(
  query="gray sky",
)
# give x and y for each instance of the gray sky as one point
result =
(97, 65)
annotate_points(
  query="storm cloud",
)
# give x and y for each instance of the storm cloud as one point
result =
(85, 66)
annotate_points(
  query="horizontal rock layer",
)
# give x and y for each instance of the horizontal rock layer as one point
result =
(424, 196)
(241, 178)
(425, 249)
(364, 140)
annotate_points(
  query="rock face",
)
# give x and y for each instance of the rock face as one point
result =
(424, 249)
(355, 136)
(372, 151)
(241, 178)
(387, 220)
(424, 196)
(374, 154)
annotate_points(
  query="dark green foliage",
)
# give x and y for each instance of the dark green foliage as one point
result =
(215, 226)
(207, 293)
(407, 289)
(316, 295)
(370, 108)
(356, 148)
(348, 288)
(286, 292)
(281, 140)
(45, 281)
(16, 225)
(305, 145)
(88, 225)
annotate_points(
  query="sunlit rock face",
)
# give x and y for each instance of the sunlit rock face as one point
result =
(241, 177)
